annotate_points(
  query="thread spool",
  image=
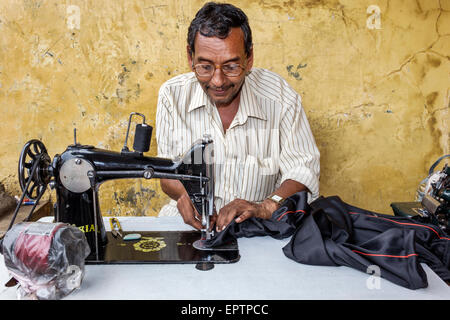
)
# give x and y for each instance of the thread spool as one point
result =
(142, 137)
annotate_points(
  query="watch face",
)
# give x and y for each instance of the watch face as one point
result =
(276, 198)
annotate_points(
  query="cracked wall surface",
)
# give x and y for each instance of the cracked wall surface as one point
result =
(374, 78)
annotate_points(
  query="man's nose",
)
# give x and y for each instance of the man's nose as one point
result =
(218, 78)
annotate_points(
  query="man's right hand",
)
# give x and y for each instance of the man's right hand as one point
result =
(176, 191)
(188, 211)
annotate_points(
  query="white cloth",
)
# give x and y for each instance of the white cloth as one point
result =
(268, 141)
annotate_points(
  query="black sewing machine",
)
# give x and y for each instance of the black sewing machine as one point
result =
(78, 172)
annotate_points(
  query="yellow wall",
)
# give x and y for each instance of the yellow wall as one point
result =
(376, 91)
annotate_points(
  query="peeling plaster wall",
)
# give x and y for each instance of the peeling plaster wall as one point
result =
(375, 87)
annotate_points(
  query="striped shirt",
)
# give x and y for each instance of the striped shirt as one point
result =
(268, 141)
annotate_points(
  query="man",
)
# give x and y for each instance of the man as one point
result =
(264, 150)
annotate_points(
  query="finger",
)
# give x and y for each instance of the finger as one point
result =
(225, 218)
(197, 215)
(212, 221)
(221, 217)
(187, 212)
(192, 221)
(230, 211)
(196, 224)
(244, 216)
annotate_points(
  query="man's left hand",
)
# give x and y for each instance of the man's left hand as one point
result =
(240, 210)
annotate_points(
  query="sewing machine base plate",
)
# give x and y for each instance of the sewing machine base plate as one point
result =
(161, 247)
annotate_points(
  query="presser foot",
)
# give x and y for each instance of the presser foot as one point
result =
(201, 245)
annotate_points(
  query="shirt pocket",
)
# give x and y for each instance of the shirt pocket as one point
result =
(259, 178)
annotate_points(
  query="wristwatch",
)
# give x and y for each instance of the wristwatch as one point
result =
(277, 199)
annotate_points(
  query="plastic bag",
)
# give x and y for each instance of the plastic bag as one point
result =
(425, 186)
(47, 259)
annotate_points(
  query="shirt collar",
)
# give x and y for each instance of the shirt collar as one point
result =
(199, 98)
(248, 105)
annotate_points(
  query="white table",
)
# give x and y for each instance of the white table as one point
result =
(262, 273)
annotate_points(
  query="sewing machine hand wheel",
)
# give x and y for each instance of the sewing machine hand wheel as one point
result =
(33, 164)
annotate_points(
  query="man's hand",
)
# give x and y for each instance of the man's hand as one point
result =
(240, 210)
(237, 209)
(190, 214)
(175, 190)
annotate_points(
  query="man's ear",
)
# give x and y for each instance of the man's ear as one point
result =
(250, 60)
(190, 55)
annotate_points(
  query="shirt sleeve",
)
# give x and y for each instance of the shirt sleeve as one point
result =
(300, 157)
(164, 125)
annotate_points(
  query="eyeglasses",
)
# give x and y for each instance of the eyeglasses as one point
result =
(206, 70)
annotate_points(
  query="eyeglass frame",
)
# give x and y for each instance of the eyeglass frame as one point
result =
(218, 66)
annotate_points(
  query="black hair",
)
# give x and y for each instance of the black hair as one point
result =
(216, 20)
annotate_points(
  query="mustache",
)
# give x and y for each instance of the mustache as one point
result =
(219, 88)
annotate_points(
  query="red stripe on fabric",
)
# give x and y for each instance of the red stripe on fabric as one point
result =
(279, 218)
(405, 223)
(386, 255)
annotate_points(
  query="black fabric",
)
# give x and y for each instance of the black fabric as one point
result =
(332, 233)
(282, 224)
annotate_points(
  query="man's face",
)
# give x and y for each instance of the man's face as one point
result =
(222, 90)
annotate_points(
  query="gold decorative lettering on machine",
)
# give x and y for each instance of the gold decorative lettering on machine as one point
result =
(87, 228)
(149, 244)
